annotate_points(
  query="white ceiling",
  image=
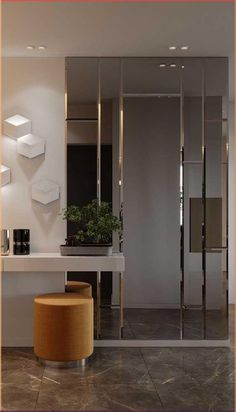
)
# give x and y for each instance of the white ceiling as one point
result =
(118, 29)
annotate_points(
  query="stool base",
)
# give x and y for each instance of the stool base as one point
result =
(63, 364)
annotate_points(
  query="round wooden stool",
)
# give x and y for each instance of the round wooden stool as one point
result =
(63, 327)
(82, 288)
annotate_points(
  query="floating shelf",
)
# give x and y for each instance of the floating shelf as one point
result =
(30, 146)
(16, 126)
(45, 191)
(5, 175)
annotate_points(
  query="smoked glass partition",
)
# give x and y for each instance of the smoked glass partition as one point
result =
(151, 104)
(216, 144)
(193, 180)
(160, 128)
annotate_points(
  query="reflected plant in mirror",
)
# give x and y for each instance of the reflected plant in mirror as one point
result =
(95, 224)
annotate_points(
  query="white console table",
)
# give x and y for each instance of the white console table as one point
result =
(54, 262)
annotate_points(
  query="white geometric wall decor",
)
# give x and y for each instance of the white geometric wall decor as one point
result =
(5, 175)
(45, 191)
(30, 146)
(16, 126)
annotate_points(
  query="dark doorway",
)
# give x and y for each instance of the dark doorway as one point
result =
(81, 189)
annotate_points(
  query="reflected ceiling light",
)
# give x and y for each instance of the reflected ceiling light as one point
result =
(172, 47)
(42, 47)
(172, 65)
(184, 47)
(162, 65)
(30, 47)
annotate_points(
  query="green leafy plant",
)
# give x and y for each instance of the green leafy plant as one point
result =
(95, 223)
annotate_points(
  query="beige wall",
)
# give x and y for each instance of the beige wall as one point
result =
(34, 88)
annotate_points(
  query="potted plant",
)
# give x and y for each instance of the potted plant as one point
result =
(95, 224)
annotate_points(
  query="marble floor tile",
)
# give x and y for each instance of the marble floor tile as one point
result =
(106, 365)
(209, 365)
(117, 397)
(178, 394)
(21, 379)
(19, 397)
(19, 358)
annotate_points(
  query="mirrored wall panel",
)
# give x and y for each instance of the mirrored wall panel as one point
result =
(149, 136)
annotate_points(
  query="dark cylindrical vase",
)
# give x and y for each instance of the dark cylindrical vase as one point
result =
(21, 241)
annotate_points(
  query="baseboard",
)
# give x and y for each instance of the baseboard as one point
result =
(138, 343)
(151, 306)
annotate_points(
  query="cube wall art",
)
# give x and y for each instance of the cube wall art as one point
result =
(16, 126)
(19, 128)
(30, 146)
(45, 191)
(5, 175)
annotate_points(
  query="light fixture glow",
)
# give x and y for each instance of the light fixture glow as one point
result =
(42, 47)
(162, 65)
(30, 47)
(184, 47)
(172, 48)
(173, 65)
(182, 66)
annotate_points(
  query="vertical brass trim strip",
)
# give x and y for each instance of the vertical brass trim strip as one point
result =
(98, 306)
(121, 153)
(99, 189)
(181, 189)
(227, 230)
(203, 203)
(99, 103)
(65, 141)
(121, 305)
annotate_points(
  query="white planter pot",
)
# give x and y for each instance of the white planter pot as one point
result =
(86, 250)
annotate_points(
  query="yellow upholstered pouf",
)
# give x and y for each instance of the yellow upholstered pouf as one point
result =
(82, 288)
(63, 327)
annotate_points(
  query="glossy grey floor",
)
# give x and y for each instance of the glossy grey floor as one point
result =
(156, 379)
(123, 379)
(164, 324)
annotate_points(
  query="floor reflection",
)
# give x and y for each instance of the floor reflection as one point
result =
(164, 324)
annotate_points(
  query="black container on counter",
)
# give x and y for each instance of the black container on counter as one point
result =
(21, 241)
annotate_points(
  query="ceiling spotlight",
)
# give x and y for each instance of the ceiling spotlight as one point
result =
(30, 47)
(184, 47)
(42, 47)
(172, 65)
(182, 67)
(162, 65)
(172, 48)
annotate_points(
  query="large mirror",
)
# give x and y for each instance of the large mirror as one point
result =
(149, 136)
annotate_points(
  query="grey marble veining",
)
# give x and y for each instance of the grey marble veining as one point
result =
(118, 397)
(123, 379)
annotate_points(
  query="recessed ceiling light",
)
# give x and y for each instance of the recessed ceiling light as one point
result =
(172, 48)
(172, 65)
(162, 65)
(182, 66)
(184, 47)
(30, 47)
(42, 47)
